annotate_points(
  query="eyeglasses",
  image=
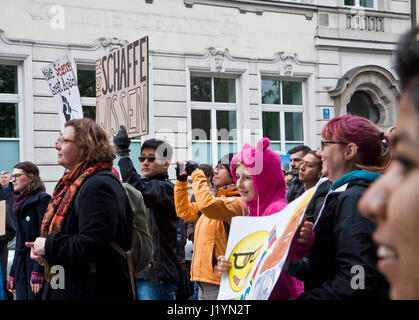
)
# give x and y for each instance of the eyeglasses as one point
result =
(244, 258)
(61, 141)
(16, 175)
(150, 159)
(323, 142)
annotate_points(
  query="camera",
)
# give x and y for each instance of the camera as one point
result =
(181, 167)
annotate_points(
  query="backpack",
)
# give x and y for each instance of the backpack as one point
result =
(139, 256)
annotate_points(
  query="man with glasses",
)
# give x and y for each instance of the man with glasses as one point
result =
(160, 281)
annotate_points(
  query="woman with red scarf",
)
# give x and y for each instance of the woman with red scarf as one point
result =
(86, 213)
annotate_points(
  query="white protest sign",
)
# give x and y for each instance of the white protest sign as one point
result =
(122, 89)
(257, 248)
(63, 85)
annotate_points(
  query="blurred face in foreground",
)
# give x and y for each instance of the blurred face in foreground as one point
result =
(392, 202)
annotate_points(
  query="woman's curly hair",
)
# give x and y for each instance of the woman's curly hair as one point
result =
(92, 140)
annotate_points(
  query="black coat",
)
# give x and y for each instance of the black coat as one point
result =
(28, 227)
(296, 187)
(158, 193)
(93, 269)
(343, 242)
(316, 202)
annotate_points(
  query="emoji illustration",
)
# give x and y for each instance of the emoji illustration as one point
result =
(243, 258)
(281, 247)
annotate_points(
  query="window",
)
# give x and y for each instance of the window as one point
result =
(86, 80)
(282, 113)
(360, 3)
(362, 105)
(9, 116)
(213, 118)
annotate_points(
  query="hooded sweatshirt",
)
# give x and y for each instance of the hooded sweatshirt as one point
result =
(264, 166)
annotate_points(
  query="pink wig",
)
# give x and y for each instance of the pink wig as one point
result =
(374, 151)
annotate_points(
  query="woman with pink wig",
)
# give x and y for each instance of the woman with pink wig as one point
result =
(342, 261)
(260, 181)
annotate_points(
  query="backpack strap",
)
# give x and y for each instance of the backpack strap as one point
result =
(125, 254)
(128, 256)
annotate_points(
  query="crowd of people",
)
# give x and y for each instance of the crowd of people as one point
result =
(363, 212)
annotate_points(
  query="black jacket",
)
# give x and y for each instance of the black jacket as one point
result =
(343, 243)
(28, 227)
(296, 187)
(93, 269)
(158, 194)
(316, 202)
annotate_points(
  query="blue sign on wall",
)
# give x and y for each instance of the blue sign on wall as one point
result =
(326, 114)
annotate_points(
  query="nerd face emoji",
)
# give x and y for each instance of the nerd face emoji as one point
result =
(244, 257)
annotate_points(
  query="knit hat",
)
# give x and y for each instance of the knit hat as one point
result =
(226, 160)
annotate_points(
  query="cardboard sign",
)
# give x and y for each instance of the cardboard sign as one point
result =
(257, 248)
(122, 89)
(63, 85)
(2, 217)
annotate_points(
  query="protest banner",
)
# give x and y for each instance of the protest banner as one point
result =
(257, 248)
(122, 89)
(2, 217)
(63, 85)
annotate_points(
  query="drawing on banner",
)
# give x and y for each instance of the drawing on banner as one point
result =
(122, 89)
(63, 85)
(244, 257)
(257, 258)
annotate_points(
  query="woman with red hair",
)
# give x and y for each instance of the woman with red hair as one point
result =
(343, 259)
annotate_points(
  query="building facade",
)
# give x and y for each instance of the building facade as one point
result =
(221, 73)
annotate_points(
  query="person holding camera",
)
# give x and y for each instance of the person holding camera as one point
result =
(212, 213)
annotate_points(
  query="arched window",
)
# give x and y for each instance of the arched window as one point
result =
(362, 105)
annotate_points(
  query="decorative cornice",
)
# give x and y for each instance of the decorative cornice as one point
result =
(350, 75)
(259, 7)
(110, 44)
(218, 55)
(288, 60)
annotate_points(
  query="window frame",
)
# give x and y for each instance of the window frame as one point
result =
(213, 107)
(358, 5)
(15, 98)
(284, 108)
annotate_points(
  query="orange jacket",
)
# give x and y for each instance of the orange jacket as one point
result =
(209, 213)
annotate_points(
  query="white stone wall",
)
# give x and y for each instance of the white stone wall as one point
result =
(321, 43)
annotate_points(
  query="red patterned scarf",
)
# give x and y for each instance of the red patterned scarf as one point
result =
(64, 194)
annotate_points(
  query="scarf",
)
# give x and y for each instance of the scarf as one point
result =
(228, 186)
(355, 175)
(62, 198)
(19, 200)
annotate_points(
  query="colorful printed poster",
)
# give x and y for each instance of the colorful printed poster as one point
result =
(63, 85)
(257, 248)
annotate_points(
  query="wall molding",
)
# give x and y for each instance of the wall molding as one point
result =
(259, 7)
